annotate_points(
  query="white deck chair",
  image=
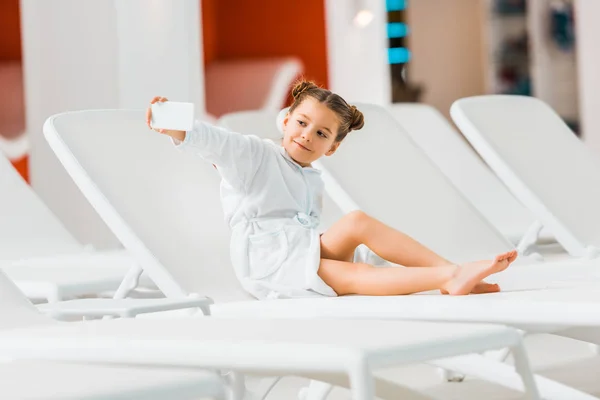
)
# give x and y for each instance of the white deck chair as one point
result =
(171, 220)
(41, 256)
(313, 348)
(31, 379)
(47, 262)
(541, 161)
(461, 164)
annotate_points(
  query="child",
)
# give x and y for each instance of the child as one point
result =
(271, 199)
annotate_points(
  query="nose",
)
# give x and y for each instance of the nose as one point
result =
(307, 135)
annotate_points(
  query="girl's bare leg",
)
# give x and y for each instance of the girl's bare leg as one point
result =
(357, 228)
(355, 278)
(340, 242)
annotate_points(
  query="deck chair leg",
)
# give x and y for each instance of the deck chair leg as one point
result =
(505, 375)
(451, 376)
(205, 309)
(235, 384)
(362, 382)
(530, 237)
(523, 368)
(129, 282)
(501, 355)
(316, 390)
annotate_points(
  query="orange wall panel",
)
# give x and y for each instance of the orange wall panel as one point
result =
(10, 39)
(21, 165)
(263, 28)
(209, 29)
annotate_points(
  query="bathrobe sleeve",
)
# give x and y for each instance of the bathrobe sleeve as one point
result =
(236, 156)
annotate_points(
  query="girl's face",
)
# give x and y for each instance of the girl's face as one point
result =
(310, 131)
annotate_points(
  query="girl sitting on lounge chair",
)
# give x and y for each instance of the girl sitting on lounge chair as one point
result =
(271, 197)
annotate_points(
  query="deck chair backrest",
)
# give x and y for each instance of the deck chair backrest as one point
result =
(27, 227)
(392, 179)
(540, 160)
(466, 170)
(260, 123)
(161, 203)
(264, 124)
(16, 311)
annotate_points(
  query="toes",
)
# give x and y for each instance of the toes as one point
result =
(484, 287)
(490, 289)
(509, 255)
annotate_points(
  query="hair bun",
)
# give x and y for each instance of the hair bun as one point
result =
(302, 87)
(358, 120)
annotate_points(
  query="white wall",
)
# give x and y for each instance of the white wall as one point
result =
(588, 64)
(101, 54)
(159, 51)
(357, 57)
(69, 53)
(447, 46)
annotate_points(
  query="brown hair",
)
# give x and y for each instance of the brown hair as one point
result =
(350, 118)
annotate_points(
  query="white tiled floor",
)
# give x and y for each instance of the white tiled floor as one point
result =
(567, 361)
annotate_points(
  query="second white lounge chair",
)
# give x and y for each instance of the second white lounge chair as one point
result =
(542, 162)
(446, 147)
(41, 256)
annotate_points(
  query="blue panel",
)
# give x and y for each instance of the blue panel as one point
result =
(397, 29)
(398, 55)
(395, 5)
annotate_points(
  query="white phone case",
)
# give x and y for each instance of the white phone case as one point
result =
(172, 115)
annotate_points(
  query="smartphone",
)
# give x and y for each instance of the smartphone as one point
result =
(172, 115)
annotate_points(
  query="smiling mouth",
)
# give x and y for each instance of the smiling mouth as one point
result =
(302, 147)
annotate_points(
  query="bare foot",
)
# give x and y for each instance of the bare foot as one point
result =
(481, 288)
(469, 275)
(484, 287)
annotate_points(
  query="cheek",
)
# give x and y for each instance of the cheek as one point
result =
(295, 133)
(325, 147)
(288, 137)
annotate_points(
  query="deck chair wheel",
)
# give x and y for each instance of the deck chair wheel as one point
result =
(451, 376)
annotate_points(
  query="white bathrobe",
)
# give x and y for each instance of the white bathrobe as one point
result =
(273, 206)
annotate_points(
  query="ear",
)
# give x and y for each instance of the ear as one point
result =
(333, 148)
(280, 117)
(285, 121)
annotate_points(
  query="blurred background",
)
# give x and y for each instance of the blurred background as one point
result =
(232, 55)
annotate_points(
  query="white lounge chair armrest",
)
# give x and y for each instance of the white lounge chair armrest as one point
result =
(124, 308)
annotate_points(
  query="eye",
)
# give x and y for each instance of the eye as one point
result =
(301, 123)
(323, 135)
